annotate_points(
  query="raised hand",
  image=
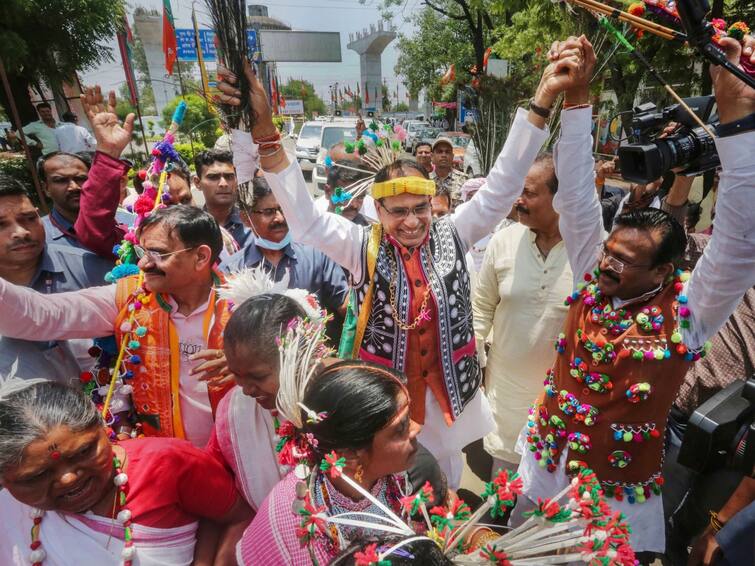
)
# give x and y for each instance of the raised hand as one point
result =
(263, 114)
(735, 99)
(112, 137)
(570, 70)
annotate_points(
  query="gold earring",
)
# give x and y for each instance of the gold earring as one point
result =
(359, 474)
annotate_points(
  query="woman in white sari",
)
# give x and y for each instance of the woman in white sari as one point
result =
(73, 498)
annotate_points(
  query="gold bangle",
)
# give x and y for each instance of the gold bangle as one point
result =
(715, 522)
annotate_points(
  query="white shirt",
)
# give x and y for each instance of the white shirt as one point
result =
(73, 138)
(520, 295)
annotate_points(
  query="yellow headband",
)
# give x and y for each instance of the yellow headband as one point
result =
(401, 185)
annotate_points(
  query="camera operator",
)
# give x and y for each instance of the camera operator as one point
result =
(728, 539)
(636, 271)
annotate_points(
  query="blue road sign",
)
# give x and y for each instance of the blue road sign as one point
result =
(187, 48)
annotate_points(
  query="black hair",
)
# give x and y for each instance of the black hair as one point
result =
(545, 160)
(83, 157)
(360, 399)
(400, 168)
(258, 322)
(420, 144)
(193, 226)
(181, 169)
(420, 551)
(673, 238)
(69, 116)
(340, 176)
(11, 187)
(43, 105)
(208, 157)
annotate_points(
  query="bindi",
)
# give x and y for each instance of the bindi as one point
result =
(54, 451)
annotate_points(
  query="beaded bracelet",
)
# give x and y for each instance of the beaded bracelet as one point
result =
(271, 138)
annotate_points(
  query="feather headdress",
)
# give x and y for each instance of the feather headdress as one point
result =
(582, 529)
(255, 281)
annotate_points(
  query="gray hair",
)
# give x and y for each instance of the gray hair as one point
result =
(30, 413)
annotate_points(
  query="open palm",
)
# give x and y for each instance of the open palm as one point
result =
(112, 137)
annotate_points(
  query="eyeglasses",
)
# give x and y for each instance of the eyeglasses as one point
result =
(269, 213)
(420, 211)
(157, 257)
(616, 265)
(215, 177)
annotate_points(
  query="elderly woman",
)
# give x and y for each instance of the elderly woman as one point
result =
(365, 420)
(72, 498)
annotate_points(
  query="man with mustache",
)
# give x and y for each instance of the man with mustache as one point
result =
(27, 260)
(302, 266)
(176, 304)
(520, 292)
(635, 323)
(86, 195)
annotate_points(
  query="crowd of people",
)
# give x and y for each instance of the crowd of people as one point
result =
(303, 377)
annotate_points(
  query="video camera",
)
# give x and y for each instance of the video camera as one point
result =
(721, 432)
(691, 148)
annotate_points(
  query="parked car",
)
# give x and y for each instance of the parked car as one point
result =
(412, 128)
(334, 132)
(471, 165)
(308, 145)
(426, 135)
(460, 141)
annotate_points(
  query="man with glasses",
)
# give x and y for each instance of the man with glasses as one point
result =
(635, 323)
(409, 273)
(216, 178)
(302, 266)
(181, 374)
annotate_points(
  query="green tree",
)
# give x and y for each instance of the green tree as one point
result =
(199, 121)
(401, 107)
(47, 41)
(296, 89)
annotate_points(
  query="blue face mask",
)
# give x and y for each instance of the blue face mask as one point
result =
(273, 246)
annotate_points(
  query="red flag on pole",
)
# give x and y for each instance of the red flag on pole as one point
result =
(366, 94)
(125, 45)
(281, 100)
(170, 46)
(274, 93)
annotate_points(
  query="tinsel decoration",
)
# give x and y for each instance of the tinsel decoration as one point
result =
(229, 22)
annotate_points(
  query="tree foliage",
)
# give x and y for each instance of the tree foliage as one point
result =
(49, 40)
(199, 121)
(297, 89)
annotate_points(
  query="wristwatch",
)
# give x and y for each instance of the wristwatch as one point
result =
(539, 110)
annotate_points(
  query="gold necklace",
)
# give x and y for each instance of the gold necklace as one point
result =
(423, 312)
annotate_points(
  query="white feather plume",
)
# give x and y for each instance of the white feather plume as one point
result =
(255, 281)
(11, 384)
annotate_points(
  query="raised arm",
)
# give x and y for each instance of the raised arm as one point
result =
(95, 225)
(727, 268)
(336, 237)
(577, 202)
(29, 315)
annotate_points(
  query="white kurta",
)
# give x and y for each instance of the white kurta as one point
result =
(521, 296)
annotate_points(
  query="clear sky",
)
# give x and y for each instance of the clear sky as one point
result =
(344, 16)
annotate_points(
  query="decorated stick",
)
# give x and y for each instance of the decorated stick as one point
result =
(641, 58)
(636, 21)
(162, 154)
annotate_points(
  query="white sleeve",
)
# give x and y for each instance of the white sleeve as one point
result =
(577, 203)
(727, 268)
(335, 236)
(479, 217)
(30, 315)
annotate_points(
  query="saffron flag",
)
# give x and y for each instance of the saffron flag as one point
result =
(281, 100)
(170, 46)
(366, 94)
(126, 45)
(273, 92)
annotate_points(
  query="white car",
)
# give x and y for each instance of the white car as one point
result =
(332, 133)
(308, 145)
(412, 127)
(471, 164)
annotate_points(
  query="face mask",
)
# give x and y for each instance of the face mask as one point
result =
(273, 246)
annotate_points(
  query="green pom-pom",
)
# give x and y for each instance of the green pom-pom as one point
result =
(374, 127)
(396, 145)
(348, 147)
(379, 143)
